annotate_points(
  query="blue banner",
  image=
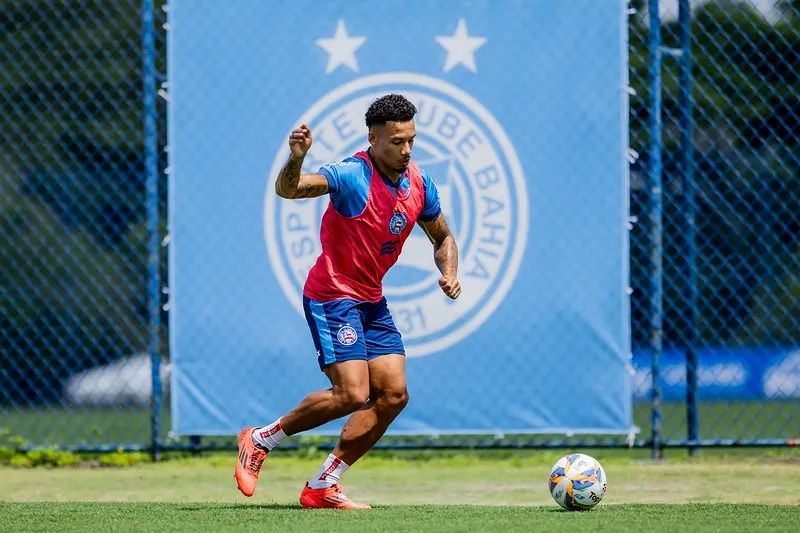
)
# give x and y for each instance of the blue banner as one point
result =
(723, 374)
(522, 123)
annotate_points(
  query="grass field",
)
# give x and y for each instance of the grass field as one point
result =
(195, 517)
(412, 492)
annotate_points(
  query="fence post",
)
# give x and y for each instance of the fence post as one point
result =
(690, 229)
(656, 243)
(151, 172)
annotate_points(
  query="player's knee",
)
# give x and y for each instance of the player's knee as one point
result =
(394, 401)
(351, 400)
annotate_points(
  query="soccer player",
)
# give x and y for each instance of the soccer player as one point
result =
(376, 196)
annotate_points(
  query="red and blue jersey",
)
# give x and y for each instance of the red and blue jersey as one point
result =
(364, 227)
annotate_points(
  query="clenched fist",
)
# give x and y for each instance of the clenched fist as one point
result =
(450, 286)
(300, 141)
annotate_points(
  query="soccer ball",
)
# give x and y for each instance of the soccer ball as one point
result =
(577, 482)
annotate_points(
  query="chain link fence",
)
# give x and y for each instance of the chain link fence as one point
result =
(74, 363)
(73, 243)
(745, 186)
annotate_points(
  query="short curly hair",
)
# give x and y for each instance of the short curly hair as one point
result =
(390, 108)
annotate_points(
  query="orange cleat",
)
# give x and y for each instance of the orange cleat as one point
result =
(330, 498)
(251, 457)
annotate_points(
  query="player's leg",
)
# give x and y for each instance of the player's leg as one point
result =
(349, 392)
(337, 330)
(388, 397)
(362, 430)
(338, 337)
(387, 383)
(388, 392)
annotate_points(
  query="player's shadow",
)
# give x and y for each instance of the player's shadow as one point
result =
(244, 507)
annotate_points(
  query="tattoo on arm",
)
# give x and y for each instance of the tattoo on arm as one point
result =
(292, 184)
(289, 178)
(310, 190)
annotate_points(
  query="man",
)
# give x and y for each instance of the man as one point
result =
(375, 198)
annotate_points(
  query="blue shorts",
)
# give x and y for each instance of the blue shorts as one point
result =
(345, 330)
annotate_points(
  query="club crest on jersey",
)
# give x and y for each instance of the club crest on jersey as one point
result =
(467, 154)
(347, 335)
(398, 223)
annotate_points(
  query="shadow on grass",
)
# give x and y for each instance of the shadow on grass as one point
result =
(286, 506)
(243, 507)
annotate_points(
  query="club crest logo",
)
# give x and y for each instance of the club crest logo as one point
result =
(347, 335)
(398, 223)
(482, 192)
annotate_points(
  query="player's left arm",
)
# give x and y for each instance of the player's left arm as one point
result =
(445, 254)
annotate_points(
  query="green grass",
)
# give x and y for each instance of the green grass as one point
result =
(147, 517)
(475, 491)
(105, 426)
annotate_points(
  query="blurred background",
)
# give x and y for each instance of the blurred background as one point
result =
(75, 291)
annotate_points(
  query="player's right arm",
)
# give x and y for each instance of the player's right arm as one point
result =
(291, 183)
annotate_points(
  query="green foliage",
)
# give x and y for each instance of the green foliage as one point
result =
(52, 458)
(15, 451)
(59, 458)
(310, 446)
(6, 454)
(122, 459)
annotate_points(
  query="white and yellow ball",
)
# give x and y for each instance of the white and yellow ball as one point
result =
(577, 482)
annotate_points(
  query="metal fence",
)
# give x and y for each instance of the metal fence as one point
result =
(715, 226)
(75, 211)
(716, 251)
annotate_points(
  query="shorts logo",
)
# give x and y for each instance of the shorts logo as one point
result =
(347, 335)
(398, 223)
(482, 192)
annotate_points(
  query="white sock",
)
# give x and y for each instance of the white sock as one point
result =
(330, 473)
(269, 436)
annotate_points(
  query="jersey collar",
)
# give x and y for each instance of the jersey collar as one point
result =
(383, 176)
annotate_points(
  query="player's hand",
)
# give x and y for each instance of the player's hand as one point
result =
(300, 141)
(450, 286)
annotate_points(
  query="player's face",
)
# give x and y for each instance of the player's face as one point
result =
(392, 144)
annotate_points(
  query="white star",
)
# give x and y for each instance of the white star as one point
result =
(341, 48)
(461, 48)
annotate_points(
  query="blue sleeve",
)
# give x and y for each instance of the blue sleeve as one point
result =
(348, 185)
(432, 209)
(336, 173)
